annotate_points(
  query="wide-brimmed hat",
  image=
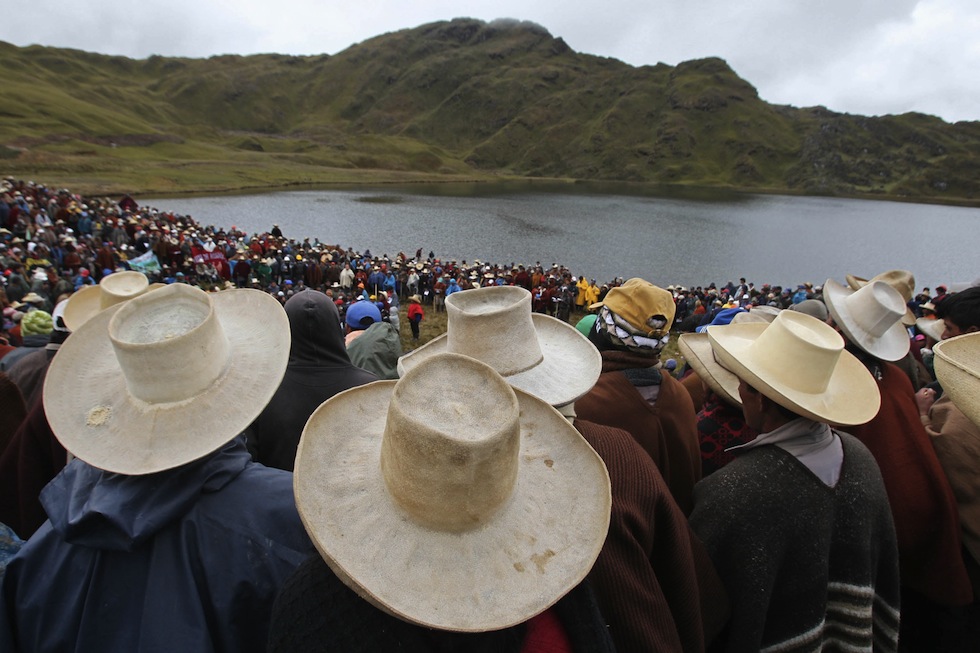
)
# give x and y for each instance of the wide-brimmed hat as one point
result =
(901, 280)
(471, 513)
(113, 289)
(932, 327)
(33, 297)
(871, 317)
(415, 298)
(696, 349)
(957, 364)
(812, 307)
(800, 363)
(537, 353)
(167, 377)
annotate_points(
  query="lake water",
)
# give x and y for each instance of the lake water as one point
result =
(605, 231)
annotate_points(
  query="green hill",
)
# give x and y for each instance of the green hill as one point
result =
(452, 100)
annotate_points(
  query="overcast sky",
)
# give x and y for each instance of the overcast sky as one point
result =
(870, 57)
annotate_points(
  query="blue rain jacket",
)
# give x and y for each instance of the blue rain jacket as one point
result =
(188, 559)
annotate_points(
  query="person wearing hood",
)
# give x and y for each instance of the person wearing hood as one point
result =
(162, 533)
(318, 368)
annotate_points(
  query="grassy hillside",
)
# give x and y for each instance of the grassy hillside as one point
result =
(448, 101)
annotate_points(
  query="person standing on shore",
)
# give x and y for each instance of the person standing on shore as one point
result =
(415, 315)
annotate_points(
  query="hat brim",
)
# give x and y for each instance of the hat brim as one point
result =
(931, 327)
(540, 544)
(892, 345)
(851, 397)
(85, 303)
(570, 364)
(957, 362)
(696, 349)
(93, 415)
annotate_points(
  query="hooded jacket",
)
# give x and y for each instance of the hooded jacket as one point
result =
(188, 559)
(318, 369)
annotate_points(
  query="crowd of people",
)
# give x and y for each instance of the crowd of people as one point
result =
(212, 441)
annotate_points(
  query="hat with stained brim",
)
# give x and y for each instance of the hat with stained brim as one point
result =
(87, 302)
(453, 514)
(957, 363)
(800, 363)
(871, 317)
(536, 353)
(167, 377)
(696, 349)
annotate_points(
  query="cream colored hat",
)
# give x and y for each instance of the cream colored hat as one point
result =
(696, 349)
(768, 313)
(800, 363)
(113, 289)
(537, 353)
(871, 317)
(901, 280)
(932, 327)
(167, 377)
(957, 364)
(471, 513)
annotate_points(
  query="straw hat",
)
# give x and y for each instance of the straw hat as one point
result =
(537, 353)
(113, 289)
(901, 280)
(696, 349)
(871, 317)
(166, 378)
(932, 327)
(957, 364)
(800, 363)
(471, 513)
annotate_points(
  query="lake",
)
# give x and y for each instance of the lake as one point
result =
(603, 231)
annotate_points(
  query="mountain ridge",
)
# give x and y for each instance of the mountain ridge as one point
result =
(451, 100)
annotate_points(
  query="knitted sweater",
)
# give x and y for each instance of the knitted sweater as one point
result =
(805, 565)
(655, 584)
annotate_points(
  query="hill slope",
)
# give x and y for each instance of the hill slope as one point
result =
(451, 100)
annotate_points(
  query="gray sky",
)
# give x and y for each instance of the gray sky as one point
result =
(869, 57)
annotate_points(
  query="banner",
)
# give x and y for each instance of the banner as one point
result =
(145, 263)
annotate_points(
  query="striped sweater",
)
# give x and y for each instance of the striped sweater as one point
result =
(807, 567)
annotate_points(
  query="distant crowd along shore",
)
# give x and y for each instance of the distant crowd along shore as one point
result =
(53, 242)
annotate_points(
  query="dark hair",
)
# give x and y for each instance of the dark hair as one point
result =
(962, 308)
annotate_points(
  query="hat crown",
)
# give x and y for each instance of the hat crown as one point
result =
(494, 325)
(451, 464)
(798, 350)
(121, 286)
(875, 308)
(170, 344)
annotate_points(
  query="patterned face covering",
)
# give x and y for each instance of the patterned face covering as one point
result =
(622, 334)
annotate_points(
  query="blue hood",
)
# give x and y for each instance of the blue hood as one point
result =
(104, 510)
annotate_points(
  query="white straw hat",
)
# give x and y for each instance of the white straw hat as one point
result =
(696, 349)
(957, 364)
(901, 280)
(471, 512)
(800, 363)
(871, 317)
(113, 289)
(932, 327)
(536, 353)
(166, 378)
